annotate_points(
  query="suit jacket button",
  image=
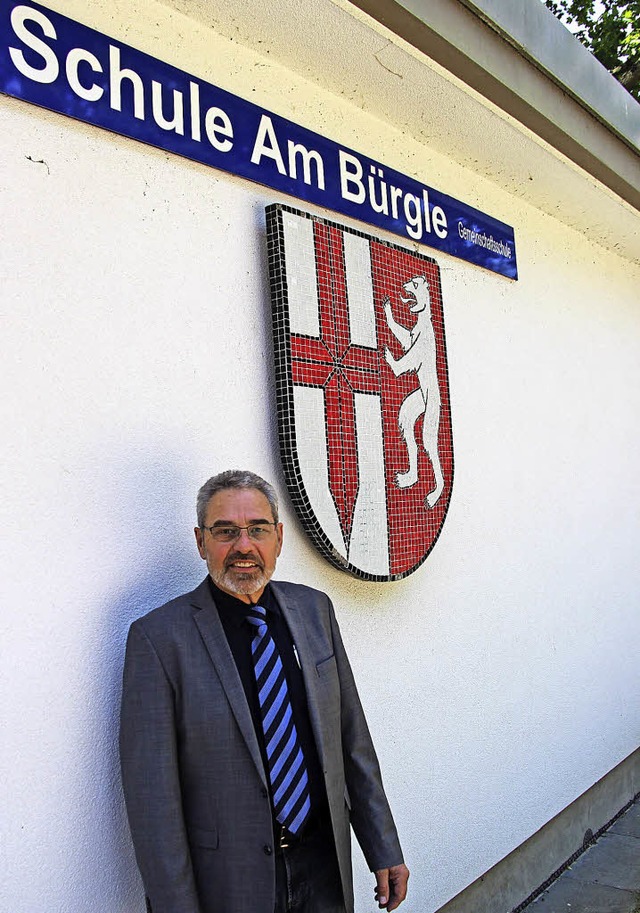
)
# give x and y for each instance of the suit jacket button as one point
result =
(267, 849)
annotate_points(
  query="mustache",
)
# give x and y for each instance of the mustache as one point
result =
(238, 556)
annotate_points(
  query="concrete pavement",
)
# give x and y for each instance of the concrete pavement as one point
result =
(605, 878)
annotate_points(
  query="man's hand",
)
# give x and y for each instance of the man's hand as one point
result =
(391, 886)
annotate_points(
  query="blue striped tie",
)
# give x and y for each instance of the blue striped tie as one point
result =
(287, 770)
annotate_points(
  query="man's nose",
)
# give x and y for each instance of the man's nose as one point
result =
(243, 540)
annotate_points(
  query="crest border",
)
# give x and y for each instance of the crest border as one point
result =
(284, 391)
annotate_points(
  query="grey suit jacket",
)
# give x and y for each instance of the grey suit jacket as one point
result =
(194, 783)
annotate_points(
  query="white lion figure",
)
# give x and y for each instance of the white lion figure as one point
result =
(419, 356)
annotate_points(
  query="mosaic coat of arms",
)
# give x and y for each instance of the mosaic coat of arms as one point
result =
(362, 391)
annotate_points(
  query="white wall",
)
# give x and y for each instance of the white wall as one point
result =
(500, 677)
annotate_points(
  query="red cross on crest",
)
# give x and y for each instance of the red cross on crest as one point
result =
(341, 368)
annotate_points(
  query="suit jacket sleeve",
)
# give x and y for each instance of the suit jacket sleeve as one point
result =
(371, 817)
(150, 778)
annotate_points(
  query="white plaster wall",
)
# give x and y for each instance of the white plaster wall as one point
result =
(499, 679)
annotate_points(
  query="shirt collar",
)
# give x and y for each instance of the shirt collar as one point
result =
(234, 610)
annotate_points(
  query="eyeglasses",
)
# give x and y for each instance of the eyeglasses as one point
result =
(257, 532)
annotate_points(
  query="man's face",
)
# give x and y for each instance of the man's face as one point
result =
(244, 567)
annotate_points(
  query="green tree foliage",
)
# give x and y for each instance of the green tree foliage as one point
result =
(610, 30)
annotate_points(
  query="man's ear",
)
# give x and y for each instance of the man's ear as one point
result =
(280, 535)
(200, 541)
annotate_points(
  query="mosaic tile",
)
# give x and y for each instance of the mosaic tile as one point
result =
(362, 392)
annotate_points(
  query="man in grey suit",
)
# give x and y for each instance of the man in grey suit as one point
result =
(246, 757)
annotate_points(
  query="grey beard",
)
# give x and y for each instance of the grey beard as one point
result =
(241, 585)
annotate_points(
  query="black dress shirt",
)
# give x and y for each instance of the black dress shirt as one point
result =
(233, 615)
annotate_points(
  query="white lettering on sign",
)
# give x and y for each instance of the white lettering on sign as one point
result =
(266, 145)
(126, 88)
(217, 126)
(351, 173)
(126, 91)
(177, 122)
(483, 240)
(385, 198)
(308, 156)
(49, 72)
(74, 58)
(117, 77)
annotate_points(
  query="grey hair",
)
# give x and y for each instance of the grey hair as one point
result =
(234, 478)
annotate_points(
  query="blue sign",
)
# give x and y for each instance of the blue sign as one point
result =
(55, 62)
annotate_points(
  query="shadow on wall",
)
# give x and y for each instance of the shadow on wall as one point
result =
(146, 549)
(154, 524)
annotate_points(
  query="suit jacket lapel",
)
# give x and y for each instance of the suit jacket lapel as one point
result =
(212, 632)
(292, 616)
